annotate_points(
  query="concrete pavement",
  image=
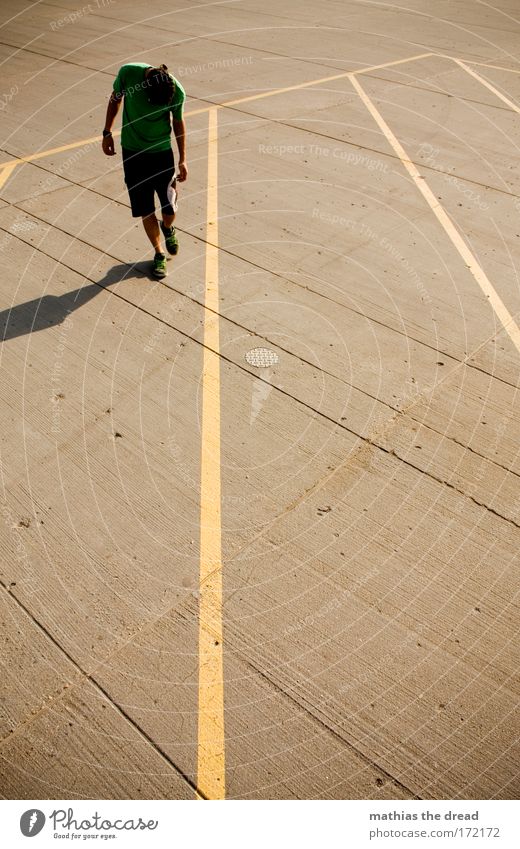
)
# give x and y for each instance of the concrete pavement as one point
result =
(365, 541)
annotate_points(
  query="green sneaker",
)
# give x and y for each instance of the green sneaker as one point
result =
(159, 266)
(170, 239)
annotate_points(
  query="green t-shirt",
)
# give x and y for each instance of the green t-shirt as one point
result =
(145, 126)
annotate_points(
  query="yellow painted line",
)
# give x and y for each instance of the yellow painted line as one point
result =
(54, 150)
(199, 111)
(501, 311)
(73, 145)
(211, 743)
(396, 62)
(6, 172)
(488, 85)
(321, 80)
(484, 65)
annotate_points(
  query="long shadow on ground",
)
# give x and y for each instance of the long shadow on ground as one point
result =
(52, 310)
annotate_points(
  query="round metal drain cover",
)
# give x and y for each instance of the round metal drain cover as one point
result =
(262, 357)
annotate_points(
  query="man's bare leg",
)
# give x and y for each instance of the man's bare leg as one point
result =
(172, 245)
(168, 220)
(151, 225)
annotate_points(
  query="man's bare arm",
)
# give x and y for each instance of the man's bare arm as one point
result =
(179, 128)
(114, 104)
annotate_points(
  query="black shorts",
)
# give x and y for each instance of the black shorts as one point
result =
(147, 173)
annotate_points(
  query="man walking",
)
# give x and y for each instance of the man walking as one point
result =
(151, 95)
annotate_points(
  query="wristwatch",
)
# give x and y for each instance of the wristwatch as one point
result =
(107, 133)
